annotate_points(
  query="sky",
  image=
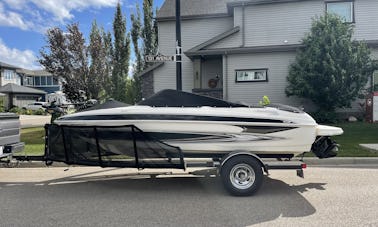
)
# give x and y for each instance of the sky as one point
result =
(23, 23)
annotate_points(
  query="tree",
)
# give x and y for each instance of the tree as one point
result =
(108, 47)
(121, 55)
(134, 86)
(98, 67)
(148, 30)
(136, 27)
(330, 68)
(65, 56)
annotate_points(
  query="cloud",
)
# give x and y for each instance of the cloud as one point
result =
(21, 58)
(32, 14)
(11, 19)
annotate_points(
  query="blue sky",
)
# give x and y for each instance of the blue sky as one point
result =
(23, 23)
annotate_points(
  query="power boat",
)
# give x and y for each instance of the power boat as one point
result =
(206, 127)
(174, 129)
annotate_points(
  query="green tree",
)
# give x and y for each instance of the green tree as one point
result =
(330, 68)
(65, 56)
(134, 86)
(108, 46)
(97, 69)
(148, 30)
(136, 27)
(121, 56)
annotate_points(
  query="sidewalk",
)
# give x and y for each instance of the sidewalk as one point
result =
(29, 121)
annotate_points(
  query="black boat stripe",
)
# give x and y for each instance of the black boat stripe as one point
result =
(167, 118)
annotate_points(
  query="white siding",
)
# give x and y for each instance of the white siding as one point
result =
(272, 24)
(251, 92)
(366, 16)
(194, 32)
(15, 78)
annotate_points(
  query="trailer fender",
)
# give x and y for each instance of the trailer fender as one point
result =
(237, 153)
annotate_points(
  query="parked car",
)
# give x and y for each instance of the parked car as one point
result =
(36, 106)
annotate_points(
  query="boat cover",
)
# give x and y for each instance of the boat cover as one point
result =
(120, 146)
(173, 98)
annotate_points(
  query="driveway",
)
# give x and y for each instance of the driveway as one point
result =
(89, 196)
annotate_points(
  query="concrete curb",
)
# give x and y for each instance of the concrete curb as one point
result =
(336, 162)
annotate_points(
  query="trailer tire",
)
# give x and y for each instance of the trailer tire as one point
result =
(242, 175)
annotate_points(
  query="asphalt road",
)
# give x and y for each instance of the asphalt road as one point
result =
(86, 196)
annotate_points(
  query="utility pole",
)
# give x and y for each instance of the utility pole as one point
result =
(178, 47)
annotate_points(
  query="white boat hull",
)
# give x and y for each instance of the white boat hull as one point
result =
(270, 132)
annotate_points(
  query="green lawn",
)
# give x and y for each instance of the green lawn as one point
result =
(34, 141)
(354, 134)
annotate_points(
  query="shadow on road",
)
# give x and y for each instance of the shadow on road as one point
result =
(114, 199)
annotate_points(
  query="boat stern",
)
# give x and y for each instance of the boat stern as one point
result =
(324, 146)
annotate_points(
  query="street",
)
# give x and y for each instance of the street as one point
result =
(91, 196)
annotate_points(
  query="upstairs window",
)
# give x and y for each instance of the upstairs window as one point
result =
(8, 74)
(344, 9)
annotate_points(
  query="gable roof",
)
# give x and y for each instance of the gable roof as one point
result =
(214, 39)
(208, 8)
(190, 8)
(14, 88)
(5, 65)
(33, 72)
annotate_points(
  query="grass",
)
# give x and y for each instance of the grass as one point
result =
(354, 134)
(34, 139)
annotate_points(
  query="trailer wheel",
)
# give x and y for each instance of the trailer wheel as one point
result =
(242, 175)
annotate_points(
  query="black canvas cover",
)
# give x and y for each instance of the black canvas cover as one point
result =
(173, 98)
(111, 103)
(121, 146)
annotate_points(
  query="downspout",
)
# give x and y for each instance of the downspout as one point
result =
(225, 77)
(243, 24)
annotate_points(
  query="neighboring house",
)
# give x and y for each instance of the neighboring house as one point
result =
(41, 80)
(9, 74)
(35, 84)
(241, 50)
(18, 95)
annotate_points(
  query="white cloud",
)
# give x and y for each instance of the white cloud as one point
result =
(11, 19)
(62, 10)
(22, 58)
(32, 14)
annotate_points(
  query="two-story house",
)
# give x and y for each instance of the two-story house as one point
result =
(241, 50)
(22, 86)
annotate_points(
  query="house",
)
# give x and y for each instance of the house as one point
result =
(40, 79)
(17, 95)
(8, 74)
(23, 86)
(241, 50)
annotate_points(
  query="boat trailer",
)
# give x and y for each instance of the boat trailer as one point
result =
(129, 147)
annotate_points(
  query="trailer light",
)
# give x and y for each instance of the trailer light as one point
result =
(303, 165)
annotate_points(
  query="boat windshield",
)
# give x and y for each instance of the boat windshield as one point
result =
(173, 98)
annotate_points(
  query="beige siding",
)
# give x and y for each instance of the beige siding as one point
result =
(272, 24)
(194, 32)
(366, 16)
(251, 92)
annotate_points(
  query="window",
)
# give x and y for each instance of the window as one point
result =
(8, 74)
(37, 81)
(375, 80)
(49, 80)
(43, 80)
(251, 75)
(344, 9)
(28, 81)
